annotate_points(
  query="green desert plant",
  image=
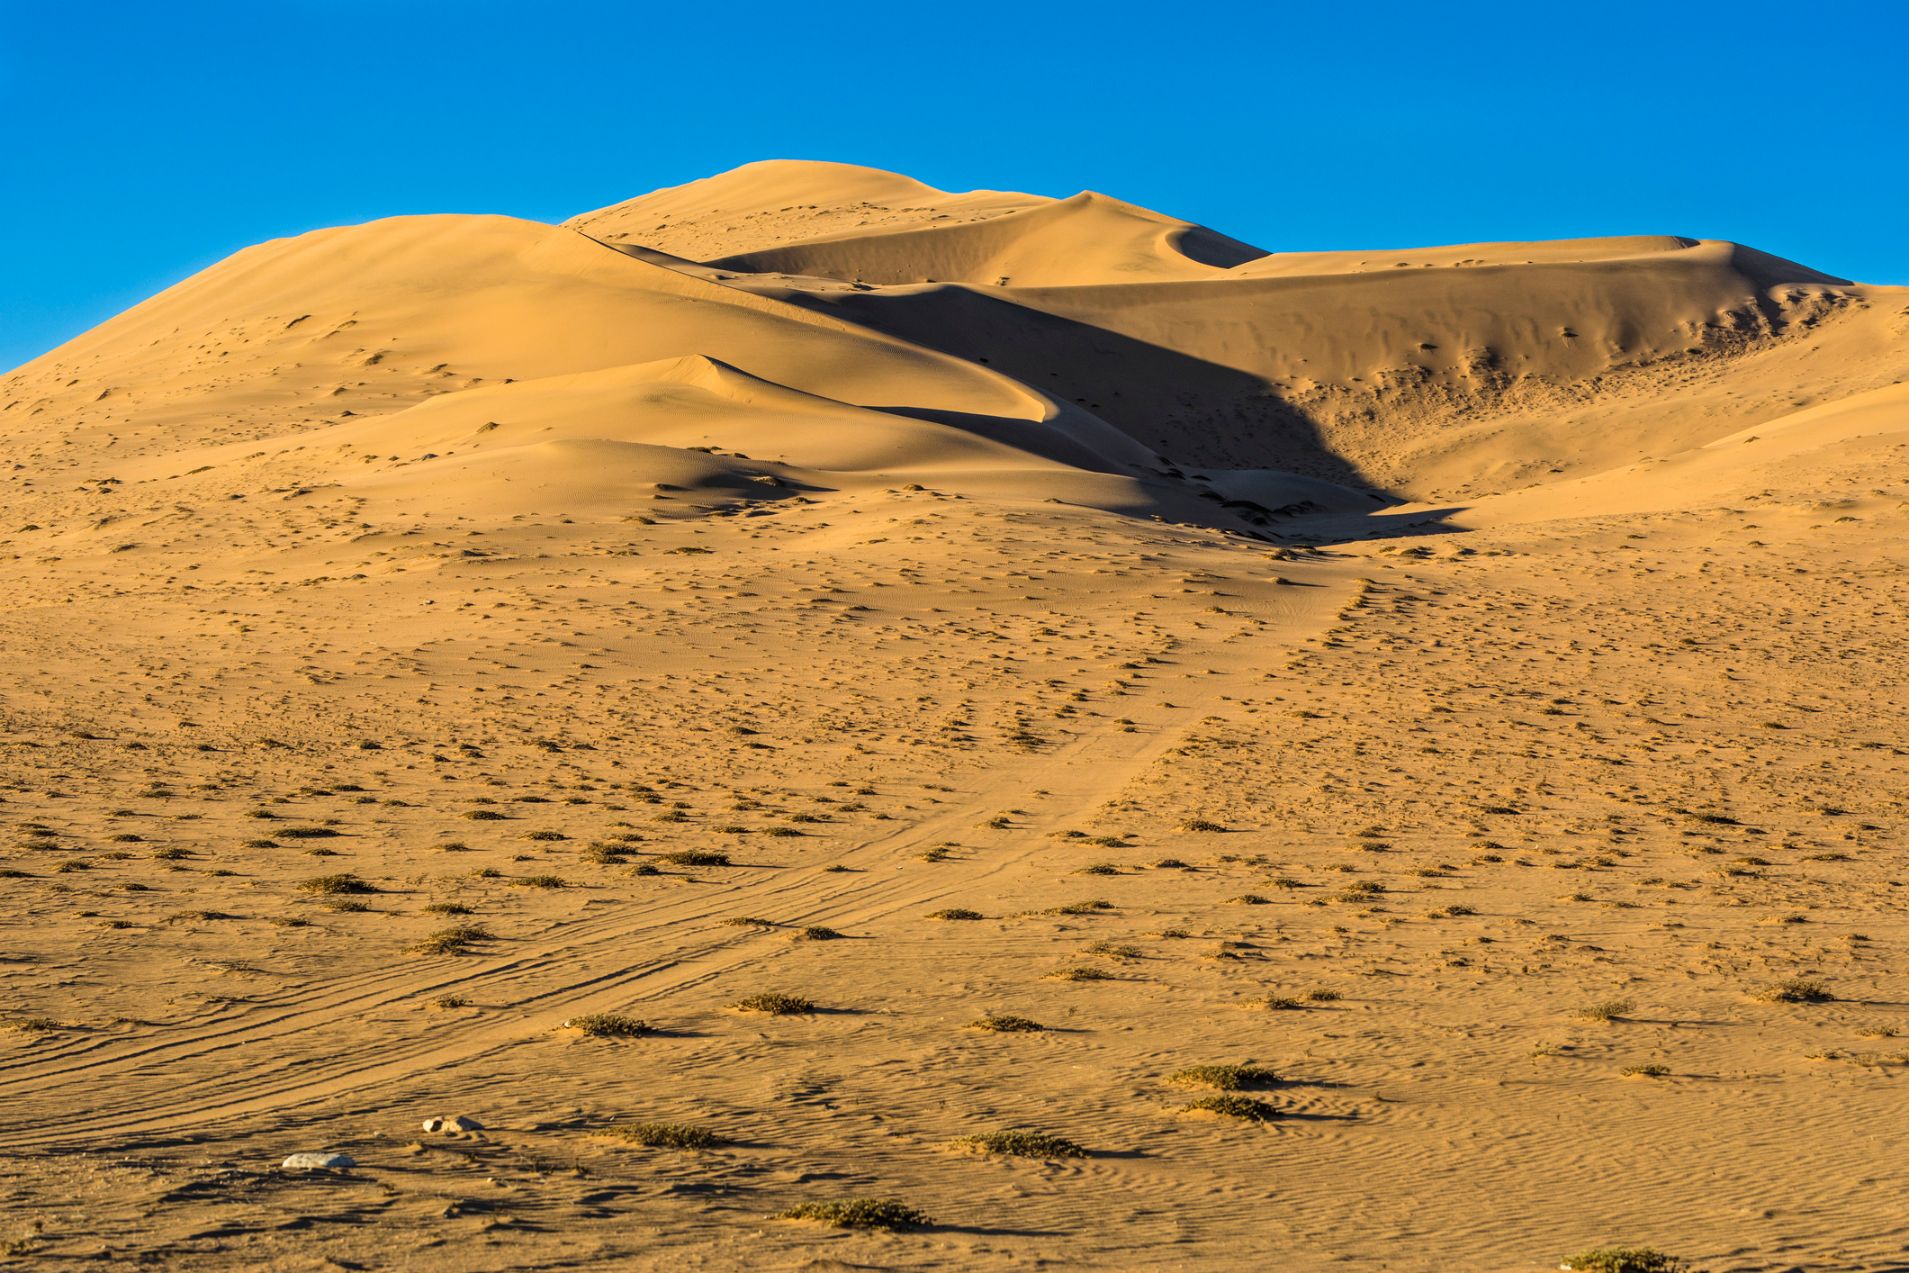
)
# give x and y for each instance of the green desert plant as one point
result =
(335, 885)
(1082, 973)
(1626, 1259)
(1246, 1108)
(666, 1135)
(776, 1005)
(1017, 1143)
(860, 1213)
(610, 1025)
(697, 857)
(455, 940)
(1226, 1078)
(1608, 1010)
(999, 1023)
(1797, 990)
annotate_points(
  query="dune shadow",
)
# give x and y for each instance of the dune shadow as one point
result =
(1216, 416)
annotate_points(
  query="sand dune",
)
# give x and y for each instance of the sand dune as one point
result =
(803, 686)
(775, 203)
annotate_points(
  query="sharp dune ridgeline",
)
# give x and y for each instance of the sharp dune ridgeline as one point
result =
(806, 720)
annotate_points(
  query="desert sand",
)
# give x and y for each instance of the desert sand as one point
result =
(453, 662)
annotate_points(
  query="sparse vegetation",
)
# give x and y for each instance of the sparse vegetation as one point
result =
(860, 1213)
(1226, 1078)
(1246, 1108)
(610, 1025)
(697, 857)
(335, 885)
(455, 940)
(999, 1023)
(666, 1135)
(776, 1005)
(1607, 1010)
(1631, 1259)
(1797, 990)
(1023, 1144)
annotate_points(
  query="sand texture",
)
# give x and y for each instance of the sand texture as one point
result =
(461, 666)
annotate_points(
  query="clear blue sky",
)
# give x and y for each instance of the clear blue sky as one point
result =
(142, 141)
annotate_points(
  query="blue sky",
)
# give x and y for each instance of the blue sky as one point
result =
(141, 142)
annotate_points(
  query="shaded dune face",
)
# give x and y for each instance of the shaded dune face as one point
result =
(852, 326)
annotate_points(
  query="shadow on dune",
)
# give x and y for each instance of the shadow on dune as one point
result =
(1196, 413)
(1387, 524)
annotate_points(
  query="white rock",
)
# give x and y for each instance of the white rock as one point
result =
(455, 1123)
(323, 1162)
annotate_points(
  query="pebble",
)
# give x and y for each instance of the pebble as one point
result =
(322, 1162)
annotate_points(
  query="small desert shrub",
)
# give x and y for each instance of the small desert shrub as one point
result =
(1247, 1108)
(997, 1023)
(609, 1025)
(540, 881)
(1281, 1003)
(546, 835)
(1081, 974)
(1323, 996)
(1099, 868)
(1226, 1078)
(1630, 1259)
(307, 833)
(860, 1213)
(485, 815)
(666, 1135)
(955, 912)
(1645, 1071)
(1082, 908)
(454, 940)
(776, 1005)
(751, 921)
(335, 885)
(1200, 824)
(1608, 1010)
(817, 932)
(697, 857)
(33, 1025)
(1797, 990)
(447, 908)
(1023, 1144)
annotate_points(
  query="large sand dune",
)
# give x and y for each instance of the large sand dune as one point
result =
(456, 663)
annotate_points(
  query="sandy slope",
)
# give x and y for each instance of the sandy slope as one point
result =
(1359, 667)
